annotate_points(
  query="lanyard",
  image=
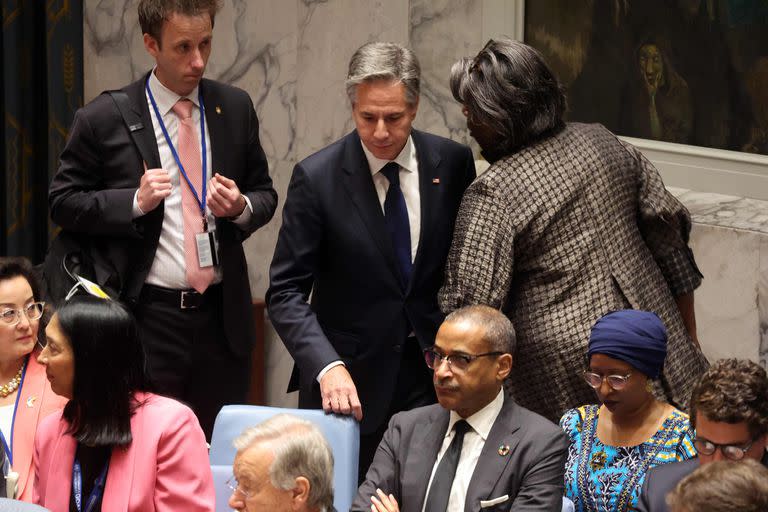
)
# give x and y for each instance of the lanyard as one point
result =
(200, 202)
(6, 446)
(77, 487)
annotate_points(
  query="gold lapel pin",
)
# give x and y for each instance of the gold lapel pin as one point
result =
(435, 181)
(31, 401)
(504, 450)
(218, 109)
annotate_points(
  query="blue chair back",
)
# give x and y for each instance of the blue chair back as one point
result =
(220, 476)
(568, 505)
(9, 505)
(342, 433)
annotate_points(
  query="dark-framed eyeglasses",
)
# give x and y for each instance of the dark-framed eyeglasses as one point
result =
(456, 362)
(730, 451)
(595, 380)
(235, 487)
(32, 311)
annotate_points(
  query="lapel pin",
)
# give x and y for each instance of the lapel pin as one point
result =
(218, 109)
(31, 401)
(435, 181)
(504, 450)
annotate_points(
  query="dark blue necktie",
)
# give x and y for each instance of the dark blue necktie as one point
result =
(396, 217)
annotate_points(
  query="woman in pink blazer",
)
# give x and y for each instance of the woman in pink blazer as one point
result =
(114, 447)
(25, 395)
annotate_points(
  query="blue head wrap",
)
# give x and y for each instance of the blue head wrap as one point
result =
(638, 338)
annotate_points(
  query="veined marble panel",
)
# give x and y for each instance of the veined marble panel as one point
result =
(762, 301)
(441, 33)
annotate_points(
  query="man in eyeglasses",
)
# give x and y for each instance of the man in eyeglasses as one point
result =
(729, 409)
(477, 448)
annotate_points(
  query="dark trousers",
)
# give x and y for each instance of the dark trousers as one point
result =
(414, 389)
(188, 357)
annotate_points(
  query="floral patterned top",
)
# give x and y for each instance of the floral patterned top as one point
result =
(605, 478)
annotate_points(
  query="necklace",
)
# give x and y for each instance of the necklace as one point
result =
(12, 384)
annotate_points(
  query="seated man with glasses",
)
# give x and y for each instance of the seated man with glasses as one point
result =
(729, 409)
(283, 463)
(614, 443)
(475, 449)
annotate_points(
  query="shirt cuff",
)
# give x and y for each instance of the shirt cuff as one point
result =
(244, 218)
(328, 367)
(136, 211)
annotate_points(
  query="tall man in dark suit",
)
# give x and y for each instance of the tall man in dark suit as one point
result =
(366, 228)
(477, 449)
(148, 207)
(729, 409)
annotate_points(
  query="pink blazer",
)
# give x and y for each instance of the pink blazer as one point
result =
(165, 468)
(35, 403)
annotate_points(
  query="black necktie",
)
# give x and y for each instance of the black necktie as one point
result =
(440, 490)
(396, 218)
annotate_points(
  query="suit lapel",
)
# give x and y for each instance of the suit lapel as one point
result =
(429, 197)
(58, 487)
(117, 491)
(146, 135)
(359, 185)
(492, 464)
(217, 129)
(425, 444)
(27, 416)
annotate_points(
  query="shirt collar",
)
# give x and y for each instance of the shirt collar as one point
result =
(404, 159)
(166, 98)
(482, 421)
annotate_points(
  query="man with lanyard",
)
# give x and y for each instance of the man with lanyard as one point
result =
(165, 201)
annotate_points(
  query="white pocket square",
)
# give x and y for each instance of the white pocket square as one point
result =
(494, 501)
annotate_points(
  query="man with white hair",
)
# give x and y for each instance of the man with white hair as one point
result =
(282, 464)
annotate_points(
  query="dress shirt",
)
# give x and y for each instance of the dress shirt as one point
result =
(409, 184)
(168, 268)
(474, 440)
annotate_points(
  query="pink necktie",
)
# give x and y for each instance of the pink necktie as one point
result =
(189, 155)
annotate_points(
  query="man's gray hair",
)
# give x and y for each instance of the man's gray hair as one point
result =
(300, 450)
(498, 330)
(385, 61)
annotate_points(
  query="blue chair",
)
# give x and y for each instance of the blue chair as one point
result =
(342, 433)
(9, 505)
(568, 505)
(220, 476)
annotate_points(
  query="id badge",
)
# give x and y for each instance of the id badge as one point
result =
(207, 249)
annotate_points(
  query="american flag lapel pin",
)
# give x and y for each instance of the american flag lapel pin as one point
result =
(218, 109)
(435, 181)
(31, 401)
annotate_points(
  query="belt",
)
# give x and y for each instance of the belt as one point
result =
(183, 299)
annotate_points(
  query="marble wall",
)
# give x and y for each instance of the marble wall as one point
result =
(291, 56)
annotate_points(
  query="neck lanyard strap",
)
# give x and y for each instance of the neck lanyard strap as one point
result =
(77, 487)
(200, 201)
(8, 447)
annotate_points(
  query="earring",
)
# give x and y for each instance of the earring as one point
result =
(649, 386)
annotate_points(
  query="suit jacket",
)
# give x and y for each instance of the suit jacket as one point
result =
(164, 469)
(100, 168)
(661, 480)
(35, 403)
(531, 474)
(334, 243)
(558, 234)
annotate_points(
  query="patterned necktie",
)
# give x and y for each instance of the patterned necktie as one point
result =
(396, 217)
(440, 490)
(188, 149)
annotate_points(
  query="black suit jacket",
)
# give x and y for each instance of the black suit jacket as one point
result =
(661, 480)
(100, 168)
(530, 474)
(334, 243)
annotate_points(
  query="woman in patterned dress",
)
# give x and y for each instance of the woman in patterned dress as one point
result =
(613, 445)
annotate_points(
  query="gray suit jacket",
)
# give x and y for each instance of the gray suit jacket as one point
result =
(531, 473)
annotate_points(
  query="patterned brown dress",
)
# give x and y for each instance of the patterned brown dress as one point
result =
(560, 233)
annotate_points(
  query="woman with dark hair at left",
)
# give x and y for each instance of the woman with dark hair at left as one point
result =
(115, 447)
(25, 395)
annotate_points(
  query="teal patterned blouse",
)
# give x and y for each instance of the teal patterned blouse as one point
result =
(605, 478)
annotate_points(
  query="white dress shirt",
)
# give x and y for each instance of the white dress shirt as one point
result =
(409, 184)
(169, 268)
(474, 440)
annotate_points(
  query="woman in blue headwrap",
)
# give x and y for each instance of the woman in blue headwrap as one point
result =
(612, 445)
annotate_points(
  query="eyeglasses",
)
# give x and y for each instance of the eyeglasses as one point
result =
(616, 382)
(458, 362)
(235, 487)
(729, 451)
(13, 316)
